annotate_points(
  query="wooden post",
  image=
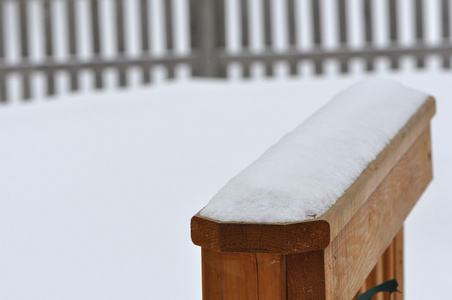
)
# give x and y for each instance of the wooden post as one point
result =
(356, 245)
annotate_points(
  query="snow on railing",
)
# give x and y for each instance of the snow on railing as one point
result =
(320, 214)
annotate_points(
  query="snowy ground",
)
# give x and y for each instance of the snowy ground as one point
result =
(97, 189)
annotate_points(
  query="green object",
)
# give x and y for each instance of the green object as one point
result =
(388, 286)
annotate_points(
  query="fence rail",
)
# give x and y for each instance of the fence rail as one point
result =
(208, 36)
(354, 246)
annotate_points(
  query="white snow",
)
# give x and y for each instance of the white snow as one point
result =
(304, 174)
(97, 189)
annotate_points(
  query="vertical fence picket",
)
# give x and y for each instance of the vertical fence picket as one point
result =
(95, 31)
(121, 47)
(195, 32)
(169, 33)
(368, 32)
(23, 20)
(245, 33)
(342, 30)
(317, 33)
(393, 31)
(144, 15)
(220, 35)
(419, 27)
(47, 16)
(203, 37)
(292, 34)
(3, 91)
(445, 20)
(268, 37)
(72, 41)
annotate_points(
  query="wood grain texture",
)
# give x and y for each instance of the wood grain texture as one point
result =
(398, 264)
(358, 247)
(314, 234)
(247, 276)
(260, 238)
(306, 275)
(388, 265)
(271, 276)
(240, 278)
(212, 285)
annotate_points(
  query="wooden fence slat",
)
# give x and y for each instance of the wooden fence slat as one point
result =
(247, 276)
(3, 92)
(268, 36)
(145, 24)
(220, 34)
(368, 31)
(207, 55)
(292, 33)
(306, 275)
(2, 46)
(169, 33)
(342, 30)
(23, 19)
(419, 28)
(47, 12)
(95, 31)
(398, 263)
(120, 42)
(445, 25)
(245, 38)
(317, 33)
(271, 271)
(212, 287)
(72, 41)
(195, 33)
(393, 30)
(389, 267)
(240, 280)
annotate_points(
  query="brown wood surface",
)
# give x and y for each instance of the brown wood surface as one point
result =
(315, 234)
(388, 265)
(212, 278)
(247, 276)
(306, 275)
(398, 264)
(358, 247)
(337, 272)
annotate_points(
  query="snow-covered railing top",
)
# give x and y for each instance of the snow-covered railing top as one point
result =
(301, 192)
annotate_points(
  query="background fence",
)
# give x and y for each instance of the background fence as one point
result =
(65, 37)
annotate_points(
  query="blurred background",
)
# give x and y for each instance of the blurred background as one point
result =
(121, 119)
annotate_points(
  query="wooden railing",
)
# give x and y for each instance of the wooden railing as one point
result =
(51, 37)
(355, 245)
